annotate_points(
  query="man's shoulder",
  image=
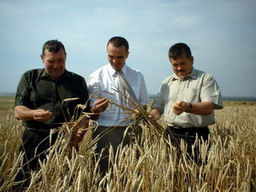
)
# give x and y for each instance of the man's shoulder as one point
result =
(133, 71)
(100, 71)
(74, 76)
(167, 79)
(200, 73)
(32, 72)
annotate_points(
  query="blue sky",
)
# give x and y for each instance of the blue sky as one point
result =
(221, 34)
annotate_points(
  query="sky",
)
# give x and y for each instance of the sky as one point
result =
(220, 33)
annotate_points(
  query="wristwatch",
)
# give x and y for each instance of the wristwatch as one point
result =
(189, 108)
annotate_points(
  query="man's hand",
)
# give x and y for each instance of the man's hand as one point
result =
(100, 105)
(154, 115)
(26, 114)
(202, 108)
(135, 114)
(41, 115)
(180, 107)
(75, 140)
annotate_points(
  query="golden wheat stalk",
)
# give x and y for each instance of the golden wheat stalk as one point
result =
(138, 114)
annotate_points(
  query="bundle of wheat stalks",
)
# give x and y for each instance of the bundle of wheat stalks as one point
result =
(150, 163)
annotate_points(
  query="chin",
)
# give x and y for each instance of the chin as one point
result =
(117, 67)
(182, 74)
(56, 76)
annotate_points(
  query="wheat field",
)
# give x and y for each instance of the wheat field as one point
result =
(151, 164)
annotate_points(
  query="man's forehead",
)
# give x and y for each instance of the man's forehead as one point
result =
(180, 58)
(51, 52)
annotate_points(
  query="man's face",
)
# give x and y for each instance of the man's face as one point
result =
(117, 56)
(54, 63)
(182, 66)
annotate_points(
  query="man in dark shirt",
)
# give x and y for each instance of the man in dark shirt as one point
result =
(39, 103)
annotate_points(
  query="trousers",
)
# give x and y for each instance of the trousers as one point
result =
(188, 135)
(34, 145)
(114, 137)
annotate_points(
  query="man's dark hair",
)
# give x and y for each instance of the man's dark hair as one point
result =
(118, 42)
(178, 50)
(53, 46)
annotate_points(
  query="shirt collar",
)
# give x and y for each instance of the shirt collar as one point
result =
(45, 75)
(192, 75)
(113, 71)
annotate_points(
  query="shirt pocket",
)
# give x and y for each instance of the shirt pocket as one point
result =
(192, 95)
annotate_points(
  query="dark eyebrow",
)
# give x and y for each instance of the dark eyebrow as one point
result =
(116, 56)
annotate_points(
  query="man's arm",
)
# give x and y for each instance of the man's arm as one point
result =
(99, 106)
(24, 113)
(203, 108)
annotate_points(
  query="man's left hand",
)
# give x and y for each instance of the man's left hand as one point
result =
(75, 140)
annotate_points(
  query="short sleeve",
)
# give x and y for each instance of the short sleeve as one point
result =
(211, 92)
(158, 102)
(23, 92)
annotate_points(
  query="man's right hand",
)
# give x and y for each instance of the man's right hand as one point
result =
(24, 113)
(100, 105)
(42, 115)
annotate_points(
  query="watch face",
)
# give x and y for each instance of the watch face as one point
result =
(189, 108)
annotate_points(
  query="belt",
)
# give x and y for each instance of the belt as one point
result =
(120, 127)
(191, 132)
(188, 128)
(42, 130)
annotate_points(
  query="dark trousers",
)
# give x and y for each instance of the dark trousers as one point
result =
(189, 136)
(114, 137)
(34, 145)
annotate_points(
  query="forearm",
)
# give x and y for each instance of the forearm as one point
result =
(23, 113)
(204, 108)
(26, 114)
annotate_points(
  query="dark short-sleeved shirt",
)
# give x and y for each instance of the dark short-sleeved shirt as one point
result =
(37, 90)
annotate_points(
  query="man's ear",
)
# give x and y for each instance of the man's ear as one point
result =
(127, 54)
(42, 58)
(192, 60)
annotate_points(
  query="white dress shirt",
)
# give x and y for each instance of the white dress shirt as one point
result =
(105, 83)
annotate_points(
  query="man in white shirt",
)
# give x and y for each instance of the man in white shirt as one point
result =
(105, 82)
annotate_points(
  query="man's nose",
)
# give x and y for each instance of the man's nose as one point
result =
(179, 67)
(55, 65)
(115, 60)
